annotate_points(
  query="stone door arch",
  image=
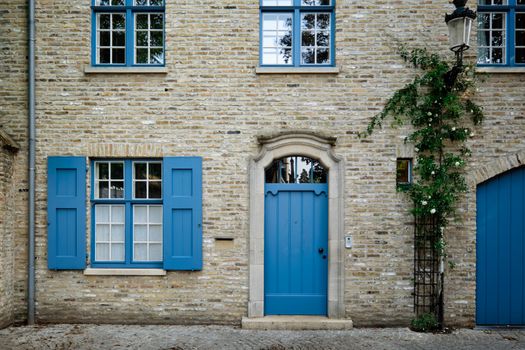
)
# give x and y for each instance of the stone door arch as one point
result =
(320, 148)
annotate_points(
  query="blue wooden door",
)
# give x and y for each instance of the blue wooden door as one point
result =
(500, 295)
(296, 249)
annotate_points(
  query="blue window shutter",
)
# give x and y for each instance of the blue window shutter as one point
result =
(66, 213)
(182, 213)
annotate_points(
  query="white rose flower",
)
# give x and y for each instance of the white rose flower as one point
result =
(453, 128)
(456, 164)
(471, 134)
(429, 114)
(432, 211)
(433, 172)
(424, 202)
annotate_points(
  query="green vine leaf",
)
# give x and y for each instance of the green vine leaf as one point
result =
(437, 104)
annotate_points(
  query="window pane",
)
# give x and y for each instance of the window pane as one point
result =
(156, 56)
(102, 232)
(140, 253)
(102, 213)
(483, 38)
(103, 189)
(277, 3)
(155, 189)
(102, 251)
(308, 56)
(497, 56)
(104, 21)
(141, 2)
(520, 55)
(103, 171)
(156, 2)
(118, 21)
(140, 214)
(156, 38)
(323, 39)
(308, 21)
(307, 38)
(155, 233)
(140, 233)
(117, 252)
(155, 214)
(155, 252)
(323, 21)
(142, 56)
(141, 21)
(119, 39)
(117, 2)
(484, 21)
(520, 38)
(141, 171)
(403, 171)
(155, 171)
(142, 39)
(104, 38)
(117, 214)
(483, 56)
(157, 21)
(117, 189)
(497, 21)
(140, 190)
(104, 56)
(315, 2)
(102, 2)
(117, 233)
(323, 56)
(520, 20)
(117, 171)
(119, 56)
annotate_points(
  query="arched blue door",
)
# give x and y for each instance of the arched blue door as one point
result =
(500, 294)
(296, 239)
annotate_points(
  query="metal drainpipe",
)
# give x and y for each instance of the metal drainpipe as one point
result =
(32, 135)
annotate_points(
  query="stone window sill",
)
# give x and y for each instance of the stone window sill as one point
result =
(124, 272)
(498, 70)
(125, 70)
(297, 70)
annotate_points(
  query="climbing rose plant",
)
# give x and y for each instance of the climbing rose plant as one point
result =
(437, 104)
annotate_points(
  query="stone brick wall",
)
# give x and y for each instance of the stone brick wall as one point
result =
(7, 237)
(211, 103)
(13, 116)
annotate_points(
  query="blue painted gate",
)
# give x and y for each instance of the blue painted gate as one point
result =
(500, 295)
(296, 249)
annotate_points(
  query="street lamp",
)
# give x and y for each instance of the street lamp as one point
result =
(459, 25)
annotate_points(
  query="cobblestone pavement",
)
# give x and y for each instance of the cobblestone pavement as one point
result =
(100, 337)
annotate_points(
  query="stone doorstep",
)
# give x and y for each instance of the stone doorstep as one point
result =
(295, 323)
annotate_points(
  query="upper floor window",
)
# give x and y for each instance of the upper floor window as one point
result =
(501, 32)
(297, 32)
(128, 32)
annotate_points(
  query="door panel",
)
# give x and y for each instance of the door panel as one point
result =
(500, 290)
(296, 249)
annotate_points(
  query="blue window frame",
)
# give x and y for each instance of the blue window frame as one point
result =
(297, 33)
(501, 33)
(127, 225)
(128, 33)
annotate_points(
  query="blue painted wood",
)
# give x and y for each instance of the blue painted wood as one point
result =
(510, 11)
(182, 213)
(66, 213)
(295, 228)
(500, 223)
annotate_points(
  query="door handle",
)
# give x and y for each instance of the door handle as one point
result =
(321, 250)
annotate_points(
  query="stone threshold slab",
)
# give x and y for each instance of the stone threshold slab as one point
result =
(295, 323)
